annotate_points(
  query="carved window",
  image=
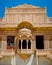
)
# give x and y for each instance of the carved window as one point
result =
(10, 42)
(24, 44)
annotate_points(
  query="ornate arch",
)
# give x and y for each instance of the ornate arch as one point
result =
(25, 24)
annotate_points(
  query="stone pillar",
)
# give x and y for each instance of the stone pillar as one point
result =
(2, 44)
(31, 44)
(21, 44)
(36, 59)
(27, 44)
(46, 44)
(34, 41)
(12, 60)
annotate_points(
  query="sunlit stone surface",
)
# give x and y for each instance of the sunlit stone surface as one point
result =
(26, 36)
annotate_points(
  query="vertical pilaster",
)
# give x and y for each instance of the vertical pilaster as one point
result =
(21, 44)
(36, 59)
(27, 44)
(2, 44)
(46, 44)
(12, 58)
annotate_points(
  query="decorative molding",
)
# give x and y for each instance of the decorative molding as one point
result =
(26, 6)
(27, 26)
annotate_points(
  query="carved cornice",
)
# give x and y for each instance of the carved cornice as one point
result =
(42, 29)
(8, 29)
(26, 6)
(30, 27)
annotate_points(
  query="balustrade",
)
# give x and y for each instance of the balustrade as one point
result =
(26, 51)
(6, 52)
(41, 52)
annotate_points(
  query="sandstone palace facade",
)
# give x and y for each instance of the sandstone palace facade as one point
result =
(26, 36)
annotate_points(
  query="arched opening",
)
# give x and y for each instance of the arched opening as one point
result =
(29, 44)
(24, 44)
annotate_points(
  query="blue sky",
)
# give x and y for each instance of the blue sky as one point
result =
(13, 3)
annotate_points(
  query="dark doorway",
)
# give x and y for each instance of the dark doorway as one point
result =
(24, 44)
(39, 42)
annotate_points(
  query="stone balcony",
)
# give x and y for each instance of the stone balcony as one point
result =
(39, 52)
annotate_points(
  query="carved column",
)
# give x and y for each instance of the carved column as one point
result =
(46, 44)
(36, 59)
(2, 44)
(13, 60)
(27, 44)
(21, 44)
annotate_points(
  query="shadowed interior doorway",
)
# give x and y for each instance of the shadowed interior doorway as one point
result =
(39, 42)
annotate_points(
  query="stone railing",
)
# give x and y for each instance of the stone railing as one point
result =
(6, 52)
(47, 52)
(26, 51)
(49, 55)
(41, 52)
